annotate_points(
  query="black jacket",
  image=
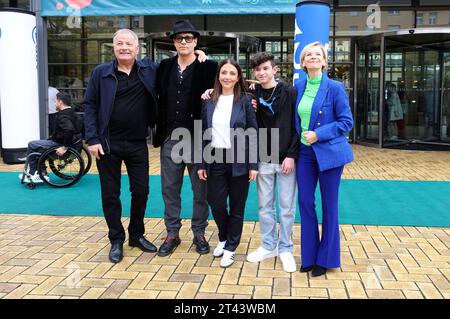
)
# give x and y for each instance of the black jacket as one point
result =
(203, 79)
(289, 142)
(100, 95)
(68, 127)
(242, 117)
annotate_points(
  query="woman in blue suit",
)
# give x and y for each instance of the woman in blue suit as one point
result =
(231, 121)
(323, 117)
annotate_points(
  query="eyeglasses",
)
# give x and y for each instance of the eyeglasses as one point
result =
(188, 39)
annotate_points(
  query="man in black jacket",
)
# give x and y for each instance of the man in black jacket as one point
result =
(67, 129)
(120, 106)
(180, 82)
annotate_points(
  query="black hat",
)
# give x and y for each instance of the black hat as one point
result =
(183, 26)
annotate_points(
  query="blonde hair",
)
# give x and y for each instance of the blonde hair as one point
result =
(324, 53)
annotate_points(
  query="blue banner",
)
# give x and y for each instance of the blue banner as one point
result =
(312, 23)
(164, 7)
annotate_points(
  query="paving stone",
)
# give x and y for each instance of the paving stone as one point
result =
(210, 283)
(116, 289)
(281, 287)
(39, 254)
(355, 289)
(429, 290)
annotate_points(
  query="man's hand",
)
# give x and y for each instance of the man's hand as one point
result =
(60, 151)
(201, 56)
(310, 136)
(202, 174)
(288, 166)
(96, 150)
(252, 175)
(207, 94)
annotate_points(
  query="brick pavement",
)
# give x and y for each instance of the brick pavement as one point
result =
(67, 257)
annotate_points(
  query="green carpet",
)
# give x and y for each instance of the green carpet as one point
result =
(362, 202)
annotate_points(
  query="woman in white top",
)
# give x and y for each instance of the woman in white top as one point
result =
(232, 161)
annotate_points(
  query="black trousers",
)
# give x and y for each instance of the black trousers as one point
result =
(223, 187)
(135, 156)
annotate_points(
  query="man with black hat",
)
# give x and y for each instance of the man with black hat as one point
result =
(181, 80)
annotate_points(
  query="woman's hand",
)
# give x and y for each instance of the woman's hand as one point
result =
(310, 136)
(252, 175)
(254, 105)
(202, 174)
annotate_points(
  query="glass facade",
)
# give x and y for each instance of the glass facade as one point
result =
(370, 66)
(22, 4)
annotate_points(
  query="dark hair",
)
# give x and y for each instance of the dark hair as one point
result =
(260, 58)
(239, 87)
(65, 98)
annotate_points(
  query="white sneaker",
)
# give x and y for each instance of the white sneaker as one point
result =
(227, 258)
(37, 179)
(26, 179)
(219, 249)
(288, 261)
(260, 254)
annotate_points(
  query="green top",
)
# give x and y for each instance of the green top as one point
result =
(306, 103)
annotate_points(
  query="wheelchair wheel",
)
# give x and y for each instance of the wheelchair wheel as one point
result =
(61, 171)
(87, 158)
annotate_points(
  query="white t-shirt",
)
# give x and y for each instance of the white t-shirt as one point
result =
(221, 122)
(52, 99)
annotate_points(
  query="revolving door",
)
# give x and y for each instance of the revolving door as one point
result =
(403, 89)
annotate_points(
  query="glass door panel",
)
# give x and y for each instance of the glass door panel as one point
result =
(394, 109)
(373, 80)
(368, 120)
(445, 120)
(420, 95)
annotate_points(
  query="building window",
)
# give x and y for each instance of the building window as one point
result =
(419, 19)
(432, 18)
(353, 13)
(393, 27)
(136, 22)
(394, 12)
(353, 28)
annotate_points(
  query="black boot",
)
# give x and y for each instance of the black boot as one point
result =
(116, 252)
(306, 269)
(318, 271)
(202, 246)
(143, 244)
(169, 245)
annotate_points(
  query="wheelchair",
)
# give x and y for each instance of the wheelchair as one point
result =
(60, 171)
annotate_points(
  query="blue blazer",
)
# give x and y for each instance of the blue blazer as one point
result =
(242, 117)
(331, 118)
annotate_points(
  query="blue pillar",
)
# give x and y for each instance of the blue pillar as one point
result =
(312, 23)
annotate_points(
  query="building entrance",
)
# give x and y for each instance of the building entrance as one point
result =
(403, 81)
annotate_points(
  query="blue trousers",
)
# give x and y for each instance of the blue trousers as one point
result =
(325, 251)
